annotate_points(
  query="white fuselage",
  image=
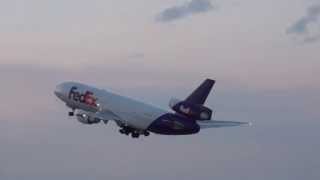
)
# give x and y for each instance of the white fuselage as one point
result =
(129, 111)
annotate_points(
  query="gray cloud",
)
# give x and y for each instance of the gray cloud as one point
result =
(301, 28)
(189, 8)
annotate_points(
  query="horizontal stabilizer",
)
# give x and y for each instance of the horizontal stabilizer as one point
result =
(219, 124)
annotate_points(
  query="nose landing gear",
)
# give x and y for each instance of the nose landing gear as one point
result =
(71, 113)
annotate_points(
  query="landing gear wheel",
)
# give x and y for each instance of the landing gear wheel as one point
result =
(135, 135)
(71, 113)
(146, 133)
(122, 131)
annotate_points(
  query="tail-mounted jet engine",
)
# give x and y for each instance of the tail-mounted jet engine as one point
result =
(87, 117)
(194, 111)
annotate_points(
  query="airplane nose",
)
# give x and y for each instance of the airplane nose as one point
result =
(59, 91)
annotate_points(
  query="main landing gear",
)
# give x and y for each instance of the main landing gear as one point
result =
(134, 133)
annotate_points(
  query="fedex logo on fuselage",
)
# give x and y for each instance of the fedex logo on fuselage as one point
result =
(87, 97)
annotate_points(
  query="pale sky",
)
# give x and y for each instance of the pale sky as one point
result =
(264, 56)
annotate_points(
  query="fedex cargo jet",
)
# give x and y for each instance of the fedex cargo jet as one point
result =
(91, 105)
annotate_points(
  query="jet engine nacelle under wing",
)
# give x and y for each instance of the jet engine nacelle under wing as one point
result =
(194, 111)
(87, 117)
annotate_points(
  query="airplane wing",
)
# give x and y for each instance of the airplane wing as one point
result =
(219, 124)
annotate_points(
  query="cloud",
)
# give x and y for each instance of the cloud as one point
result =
(187, 9)
(302, 26)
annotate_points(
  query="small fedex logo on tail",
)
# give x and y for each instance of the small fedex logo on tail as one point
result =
(86, 97)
